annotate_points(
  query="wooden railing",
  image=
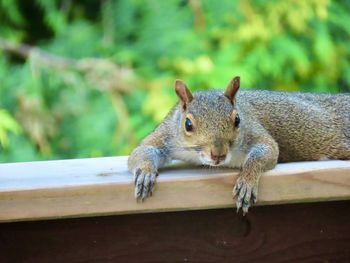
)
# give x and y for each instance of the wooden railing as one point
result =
(103, 186)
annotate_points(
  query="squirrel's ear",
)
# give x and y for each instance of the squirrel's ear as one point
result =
(232, 89)
(183, 93)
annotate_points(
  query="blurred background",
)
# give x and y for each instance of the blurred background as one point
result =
(92, 78)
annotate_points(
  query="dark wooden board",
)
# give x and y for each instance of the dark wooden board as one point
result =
(316, 232)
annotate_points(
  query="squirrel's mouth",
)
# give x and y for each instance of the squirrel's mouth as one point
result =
(205, 160)
(215, 163)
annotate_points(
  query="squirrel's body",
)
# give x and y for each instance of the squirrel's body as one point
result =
(306, 126)
(271, 127)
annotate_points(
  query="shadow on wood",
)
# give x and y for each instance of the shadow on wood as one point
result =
(314, 232)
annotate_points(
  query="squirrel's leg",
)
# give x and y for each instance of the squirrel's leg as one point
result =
(261, 157)
(146, 159)
(143, 164)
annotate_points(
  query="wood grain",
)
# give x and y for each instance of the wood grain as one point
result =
(314, 232)
(102, 186)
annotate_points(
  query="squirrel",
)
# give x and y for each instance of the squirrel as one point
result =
(251, 129)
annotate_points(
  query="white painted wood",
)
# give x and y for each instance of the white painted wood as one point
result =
(100, 186)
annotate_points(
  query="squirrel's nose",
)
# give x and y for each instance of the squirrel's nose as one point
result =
(216, 157)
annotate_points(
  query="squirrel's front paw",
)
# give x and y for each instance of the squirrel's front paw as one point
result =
(144, 183)
(246, 192)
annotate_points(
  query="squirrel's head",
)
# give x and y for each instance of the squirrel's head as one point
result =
(209, 123)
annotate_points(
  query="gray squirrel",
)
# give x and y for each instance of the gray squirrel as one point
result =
(250, 129)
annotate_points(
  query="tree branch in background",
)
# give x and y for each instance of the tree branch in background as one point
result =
(99, 73)
(25, 51)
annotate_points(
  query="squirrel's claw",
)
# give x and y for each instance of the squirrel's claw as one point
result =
(144, 184)
(255, 194)
(139, 179)
(236, 188)
(136, 175)
(245, 194)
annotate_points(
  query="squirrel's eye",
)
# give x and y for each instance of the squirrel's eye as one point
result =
(188, 125)
(237, 121)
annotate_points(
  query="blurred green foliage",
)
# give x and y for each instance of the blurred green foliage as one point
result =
(92, 78)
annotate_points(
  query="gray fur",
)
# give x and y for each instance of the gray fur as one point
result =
(275, 126)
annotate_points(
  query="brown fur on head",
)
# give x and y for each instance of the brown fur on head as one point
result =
(212, 139)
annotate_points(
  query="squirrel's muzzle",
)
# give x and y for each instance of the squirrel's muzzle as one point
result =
(217, 158)
(218, 152)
